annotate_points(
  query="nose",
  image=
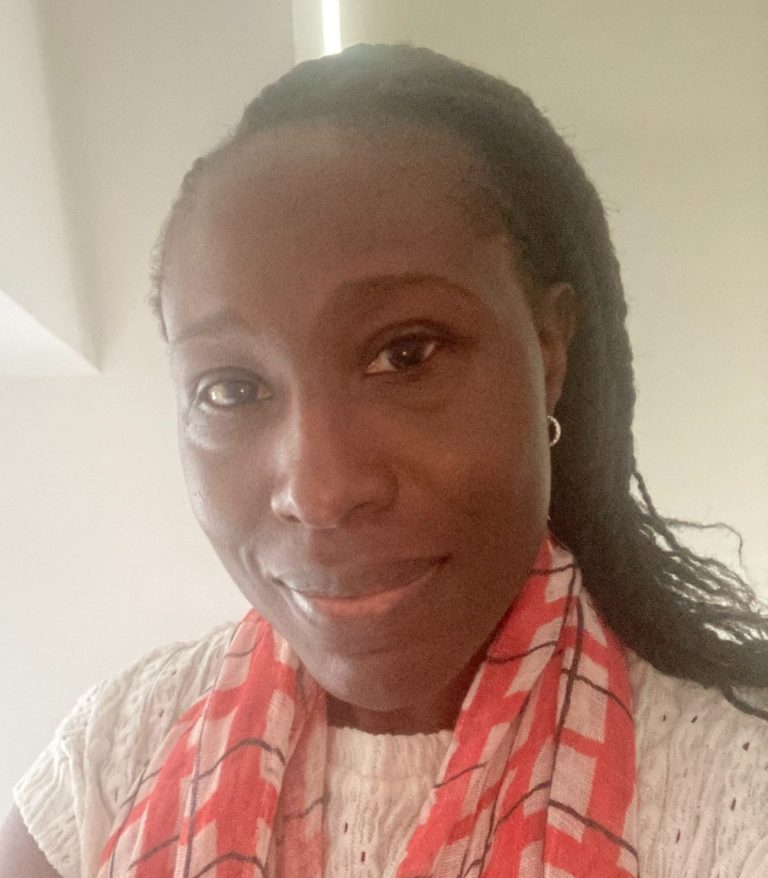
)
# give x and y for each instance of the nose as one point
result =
(328, 471)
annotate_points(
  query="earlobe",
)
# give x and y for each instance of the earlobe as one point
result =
(555, 317)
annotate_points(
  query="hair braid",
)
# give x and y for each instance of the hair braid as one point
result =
(688, 615)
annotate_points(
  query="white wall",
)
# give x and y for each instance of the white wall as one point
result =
(100, 559)
(42, 325)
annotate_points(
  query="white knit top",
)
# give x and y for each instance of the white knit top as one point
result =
(376, 787)
(702, 773)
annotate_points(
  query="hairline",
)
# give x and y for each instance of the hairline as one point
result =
(474, 194)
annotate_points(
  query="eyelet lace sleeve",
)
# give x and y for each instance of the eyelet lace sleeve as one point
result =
(702, 780)
(70, 795)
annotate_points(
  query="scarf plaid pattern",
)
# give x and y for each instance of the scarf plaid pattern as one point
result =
(539, 780)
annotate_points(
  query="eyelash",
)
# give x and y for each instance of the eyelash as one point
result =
(253, 385)
(249, 382)
(421, 337)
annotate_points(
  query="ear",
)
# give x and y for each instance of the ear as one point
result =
(554, 316)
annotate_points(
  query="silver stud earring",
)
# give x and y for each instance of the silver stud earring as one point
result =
(553, 440)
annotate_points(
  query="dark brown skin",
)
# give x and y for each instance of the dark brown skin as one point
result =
(362, 398)
(20, 856)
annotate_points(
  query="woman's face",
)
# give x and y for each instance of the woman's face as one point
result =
(362, 399)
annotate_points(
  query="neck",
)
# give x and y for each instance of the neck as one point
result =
(433, 713)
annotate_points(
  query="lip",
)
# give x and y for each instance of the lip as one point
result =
(366, 595)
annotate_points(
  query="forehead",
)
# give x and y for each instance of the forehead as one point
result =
(302, 210)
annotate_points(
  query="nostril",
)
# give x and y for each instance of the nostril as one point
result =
(281, 506)
(329, 500)
(326, 468)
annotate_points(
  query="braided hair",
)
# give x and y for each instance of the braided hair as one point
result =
(689, 616)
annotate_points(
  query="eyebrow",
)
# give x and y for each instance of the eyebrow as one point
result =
(378, 285)
(225, 318)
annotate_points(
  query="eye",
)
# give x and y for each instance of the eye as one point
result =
(403, 353)
(229, 393)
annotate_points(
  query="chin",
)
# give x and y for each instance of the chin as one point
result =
(378, 681)
(387, 694)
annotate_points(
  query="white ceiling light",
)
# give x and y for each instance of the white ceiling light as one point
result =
(331, 27)
(316, 28)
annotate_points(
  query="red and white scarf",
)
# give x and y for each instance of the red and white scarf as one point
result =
(538, 782)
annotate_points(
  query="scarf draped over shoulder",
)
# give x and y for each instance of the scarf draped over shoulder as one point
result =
(538, 782)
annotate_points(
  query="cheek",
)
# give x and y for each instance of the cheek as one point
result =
(229, 507)
(503, 490)
(502, 428)
(224, 497)
(500, 449)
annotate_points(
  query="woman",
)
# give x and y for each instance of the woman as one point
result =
(405, 389)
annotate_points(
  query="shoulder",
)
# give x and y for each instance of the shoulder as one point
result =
(702, 768)
(148, 696)
(70, 796)
(128, 715)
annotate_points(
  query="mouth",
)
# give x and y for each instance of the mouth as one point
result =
(374, 593)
